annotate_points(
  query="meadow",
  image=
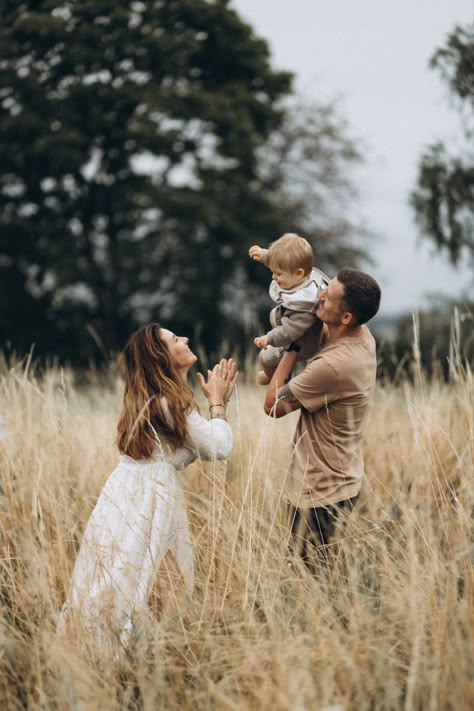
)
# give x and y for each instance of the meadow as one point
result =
(390, 627)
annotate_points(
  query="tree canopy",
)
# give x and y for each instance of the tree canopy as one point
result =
(444, 197)
(132, 180)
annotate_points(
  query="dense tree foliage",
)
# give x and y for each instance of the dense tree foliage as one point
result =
(133, 178)
(444, 196)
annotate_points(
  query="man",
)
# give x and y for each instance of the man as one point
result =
(334, 393)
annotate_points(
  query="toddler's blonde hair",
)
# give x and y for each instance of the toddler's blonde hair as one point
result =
(289, 253)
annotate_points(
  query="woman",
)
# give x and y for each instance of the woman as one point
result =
(139, 529)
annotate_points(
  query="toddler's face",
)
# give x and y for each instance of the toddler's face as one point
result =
(287, 280)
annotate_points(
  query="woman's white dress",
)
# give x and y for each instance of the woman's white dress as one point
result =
(140, 516)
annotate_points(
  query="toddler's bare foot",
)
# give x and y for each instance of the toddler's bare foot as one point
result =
(262, 378)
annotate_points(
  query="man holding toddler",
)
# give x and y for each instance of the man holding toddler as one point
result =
(333, 394)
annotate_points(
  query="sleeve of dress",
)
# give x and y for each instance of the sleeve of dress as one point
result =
(210, 439)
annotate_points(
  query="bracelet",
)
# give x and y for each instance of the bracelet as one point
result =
(218, 416)
(218, 404)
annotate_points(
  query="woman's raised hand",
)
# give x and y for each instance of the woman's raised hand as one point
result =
(220, 383)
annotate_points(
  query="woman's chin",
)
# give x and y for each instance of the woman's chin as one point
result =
(192, 360)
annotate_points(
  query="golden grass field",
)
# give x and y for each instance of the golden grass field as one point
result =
(391, 627)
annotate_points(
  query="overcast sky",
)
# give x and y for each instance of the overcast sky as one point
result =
(375, 54)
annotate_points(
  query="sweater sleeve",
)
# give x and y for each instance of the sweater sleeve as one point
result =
(265, 257)
(209, 439)
(294, 324)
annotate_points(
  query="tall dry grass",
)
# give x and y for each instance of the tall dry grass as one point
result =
(390, 628)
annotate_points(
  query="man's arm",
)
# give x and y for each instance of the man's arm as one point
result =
(279, 400)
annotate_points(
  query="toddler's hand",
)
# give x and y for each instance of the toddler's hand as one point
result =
(261, 341)
(256, 253)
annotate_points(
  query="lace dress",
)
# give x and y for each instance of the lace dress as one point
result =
(140, 516)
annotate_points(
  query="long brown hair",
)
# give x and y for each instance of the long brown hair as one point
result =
(151, 375)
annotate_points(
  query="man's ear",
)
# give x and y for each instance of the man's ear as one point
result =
(348, 319)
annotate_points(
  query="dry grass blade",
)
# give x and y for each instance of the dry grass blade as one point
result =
(391, 627)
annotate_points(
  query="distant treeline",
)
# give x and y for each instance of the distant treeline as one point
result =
(439, 341)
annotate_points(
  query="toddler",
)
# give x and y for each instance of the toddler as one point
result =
(294, 288)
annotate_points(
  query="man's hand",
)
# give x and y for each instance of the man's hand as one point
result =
(279, 400)
(256, 253)
(261, 341)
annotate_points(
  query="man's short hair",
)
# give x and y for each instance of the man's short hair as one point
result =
(291, 252)
(361, 294)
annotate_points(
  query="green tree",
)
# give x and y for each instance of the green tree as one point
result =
(145, 146)
(129, 153)
(444, 197)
